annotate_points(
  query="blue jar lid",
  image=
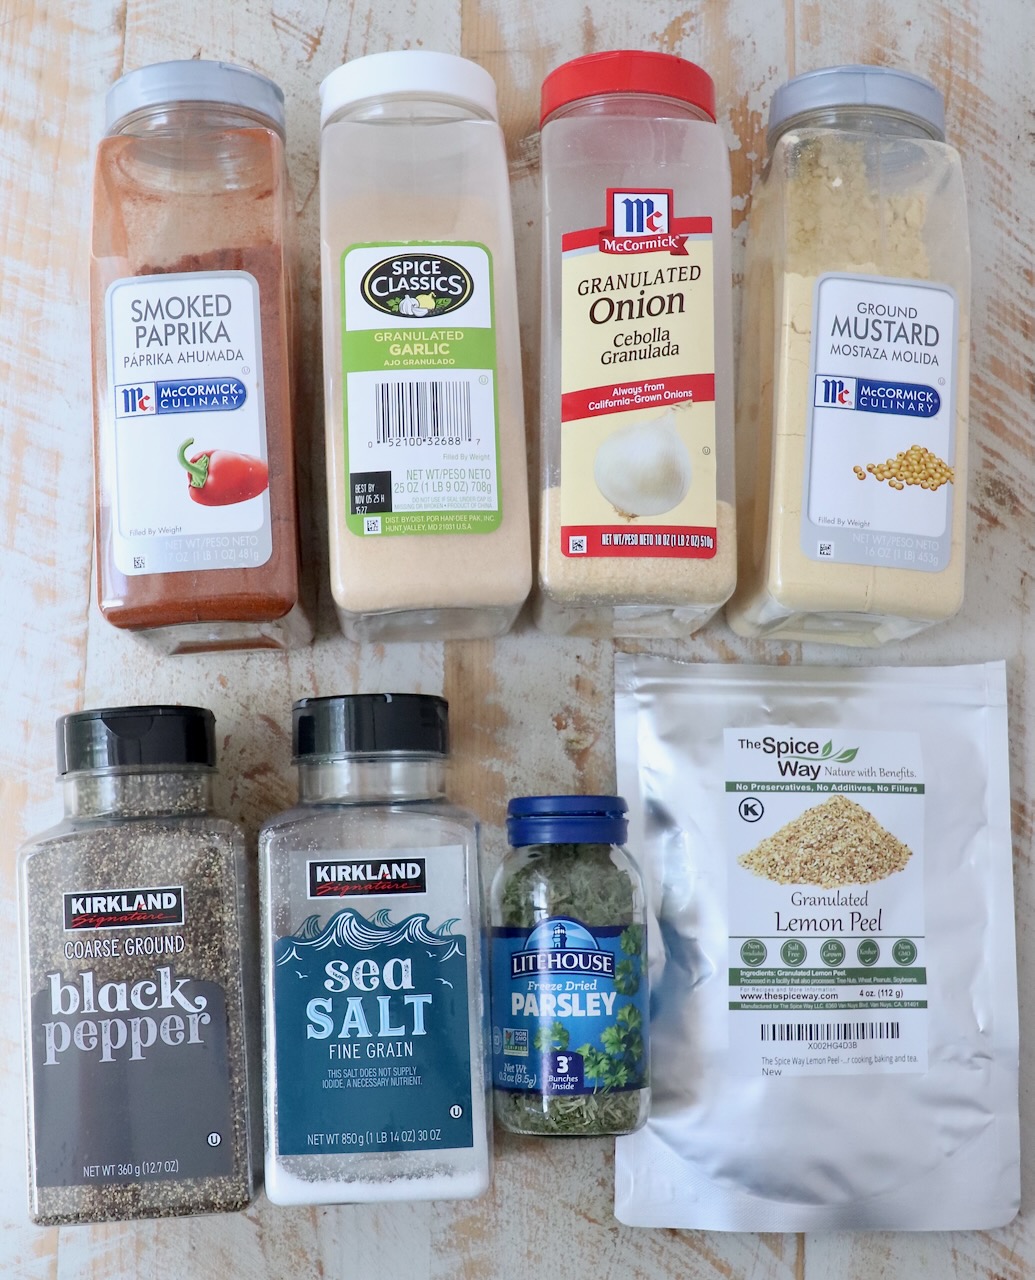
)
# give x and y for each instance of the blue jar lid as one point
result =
(567, 820)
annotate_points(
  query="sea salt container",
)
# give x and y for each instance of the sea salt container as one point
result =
(852, 413)
(376, 1047)
(637, 532)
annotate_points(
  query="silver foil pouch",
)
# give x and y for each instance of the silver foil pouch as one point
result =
(834, 1035)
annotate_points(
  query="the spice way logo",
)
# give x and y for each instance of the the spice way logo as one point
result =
(124, 908)
(418, 286)
(354, 877)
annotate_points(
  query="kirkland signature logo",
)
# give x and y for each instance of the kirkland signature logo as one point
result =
(354, 877)
(560, 945)
(124, 908)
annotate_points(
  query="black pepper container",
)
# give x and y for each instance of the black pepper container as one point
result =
(135, 915)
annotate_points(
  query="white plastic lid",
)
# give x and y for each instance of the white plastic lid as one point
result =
(416, 72)
(885, 88)
(194, 80)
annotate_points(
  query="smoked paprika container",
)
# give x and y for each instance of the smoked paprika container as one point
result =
(637, 536)
(137, 980)
(194, 347)
(375, 1008)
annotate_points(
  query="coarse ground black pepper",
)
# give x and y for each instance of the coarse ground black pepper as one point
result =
(133, 914)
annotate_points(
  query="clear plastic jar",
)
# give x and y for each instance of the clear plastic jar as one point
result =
(137, 983)
(194, 344)
(852, 413)
(570, 1010)
(637, 533)
(376, 1052)
(426, 464)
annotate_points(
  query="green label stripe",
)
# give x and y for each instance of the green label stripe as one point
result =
(885, 788)
(827, 1005)
(828, 977)
(434, 350)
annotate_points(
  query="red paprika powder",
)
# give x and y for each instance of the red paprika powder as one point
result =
(194, 342)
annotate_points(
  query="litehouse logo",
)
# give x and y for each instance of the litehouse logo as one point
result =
(560, 945)
(354, 877)
(418, 286)
(124, 908)
(640, 221)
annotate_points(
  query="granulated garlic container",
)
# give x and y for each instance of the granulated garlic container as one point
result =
(852, 412)
(194, 314)
(136, 935)
(426, 468)
(637, 530)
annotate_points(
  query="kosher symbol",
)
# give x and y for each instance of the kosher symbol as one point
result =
(750, 809)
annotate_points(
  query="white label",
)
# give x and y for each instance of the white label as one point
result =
(827, 963)
(880, 445)
(185, 365)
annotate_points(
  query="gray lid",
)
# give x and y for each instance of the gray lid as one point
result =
(194, 80)
(885, 88)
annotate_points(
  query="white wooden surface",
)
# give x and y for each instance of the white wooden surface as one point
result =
(529, 713)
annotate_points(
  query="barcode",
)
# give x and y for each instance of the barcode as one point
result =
(432, 411)
(794, 1031)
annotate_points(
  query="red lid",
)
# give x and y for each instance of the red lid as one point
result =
(627, 71)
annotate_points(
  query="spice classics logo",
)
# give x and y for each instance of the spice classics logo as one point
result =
(417, 286)
(124, 908)
(351, 877)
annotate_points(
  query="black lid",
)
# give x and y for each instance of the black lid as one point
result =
(370, 724)
(135, 736)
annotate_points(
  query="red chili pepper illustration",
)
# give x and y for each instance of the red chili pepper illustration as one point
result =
(217, 478)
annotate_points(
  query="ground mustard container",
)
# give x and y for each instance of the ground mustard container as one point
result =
(852, 412)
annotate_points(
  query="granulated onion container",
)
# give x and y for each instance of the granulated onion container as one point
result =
(852, 412)
(637, 530)
(194, 347)
(375, 1029)
(136, 938)
(427, 478)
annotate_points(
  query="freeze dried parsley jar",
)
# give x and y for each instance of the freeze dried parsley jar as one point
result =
(426, 465)
(194, 321)
(852, 413)
(134, 911)
(569, 971)
(376, 1050)
(637, 536)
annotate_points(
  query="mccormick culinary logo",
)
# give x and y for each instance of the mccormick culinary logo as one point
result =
(561, 945)
(638, 221)
(355, 877)
(123, 908)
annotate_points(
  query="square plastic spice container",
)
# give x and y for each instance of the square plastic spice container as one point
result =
(852, 416)
(637, 531)
(194, 316)
(426, 465)
(138, 986)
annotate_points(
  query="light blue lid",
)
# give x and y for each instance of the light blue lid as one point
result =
(194, 80)
(884, 88)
